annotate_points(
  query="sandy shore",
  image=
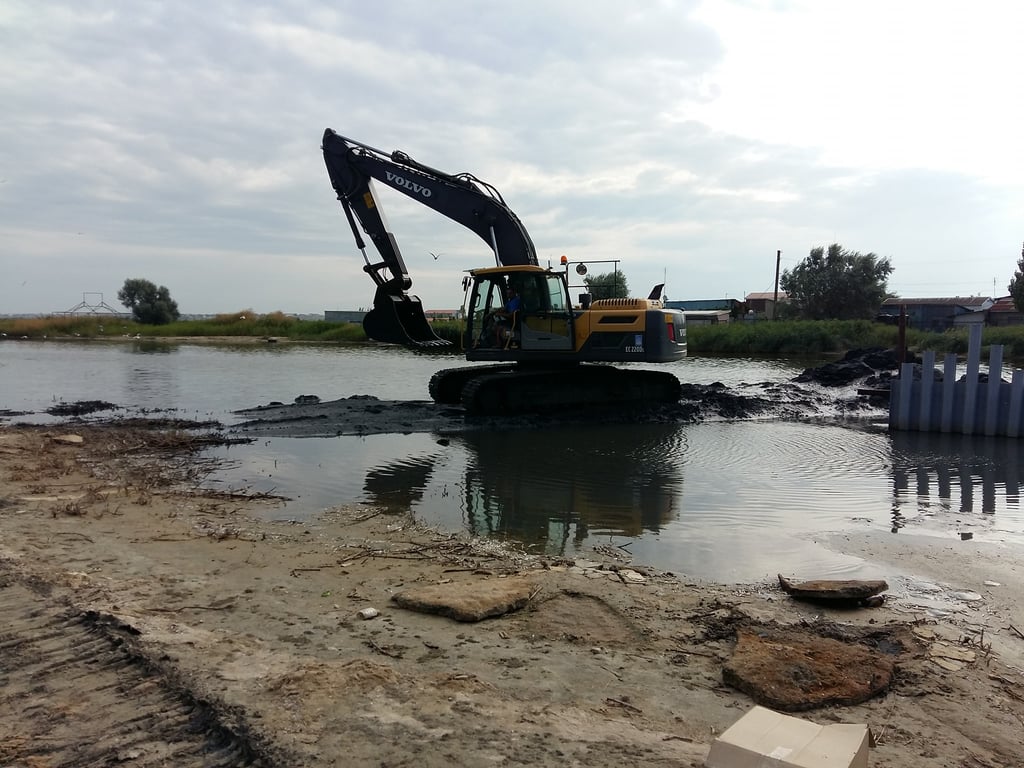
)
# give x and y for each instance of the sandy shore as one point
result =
(152, 623)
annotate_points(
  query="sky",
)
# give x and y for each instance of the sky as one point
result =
(683, 142)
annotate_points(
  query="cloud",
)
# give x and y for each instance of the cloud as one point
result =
(692, 139)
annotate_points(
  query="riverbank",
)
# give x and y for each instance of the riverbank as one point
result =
(133, 596)
(739, 338)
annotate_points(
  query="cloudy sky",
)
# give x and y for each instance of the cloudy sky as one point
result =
(180, 141)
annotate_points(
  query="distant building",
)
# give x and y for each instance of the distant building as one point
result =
(1003, 313)
(938, 314)
(705, 305)
(762, 305)
(707, 317)
(344, 316)
(356, 316)
(442, 314)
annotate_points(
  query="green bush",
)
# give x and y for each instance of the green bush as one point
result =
(792, 338)
(788, 337)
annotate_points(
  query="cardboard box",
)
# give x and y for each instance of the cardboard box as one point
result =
(763, 738)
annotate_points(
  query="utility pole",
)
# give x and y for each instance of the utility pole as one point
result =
(775, 300)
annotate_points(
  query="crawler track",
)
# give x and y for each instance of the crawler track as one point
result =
(585, 386)
(510, 389)
(78, 693)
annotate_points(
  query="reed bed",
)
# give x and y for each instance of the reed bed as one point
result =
(781, 338)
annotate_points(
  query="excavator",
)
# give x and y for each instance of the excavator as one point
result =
(541, 351)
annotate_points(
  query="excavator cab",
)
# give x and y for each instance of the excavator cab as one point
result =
(538, 322)
(486, 316)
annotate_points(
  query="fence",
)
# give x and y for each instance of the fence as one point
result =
(968, 406)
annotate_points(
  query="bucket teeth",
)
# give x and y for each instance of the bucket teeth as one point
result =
(399, 319)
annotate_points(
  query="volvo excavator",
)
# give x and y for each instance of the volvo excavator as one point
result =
(542, 352)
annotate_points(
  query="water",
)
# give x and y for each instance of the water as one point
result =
(728, 501)
(203, 378)
(216, 379)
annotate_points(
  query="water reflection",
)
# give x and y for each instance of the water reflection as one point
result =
(555, 486)
(579, 481)
(970, 475)
(398, 485)
(153, 346)
(725, 501)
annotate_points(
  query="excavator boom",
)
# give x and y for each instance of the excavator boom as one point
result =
(353, 167)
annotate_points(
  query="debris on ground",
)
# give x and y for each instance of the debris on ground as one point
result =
(766, 738)
(474, 600)
(852, 592)
(794, 670)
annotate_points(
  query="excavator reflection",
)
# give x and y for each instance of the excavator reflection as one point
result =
(553, 490)
(400, 484)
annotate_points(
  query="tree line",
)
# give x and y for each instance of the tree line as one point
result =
(832, 283)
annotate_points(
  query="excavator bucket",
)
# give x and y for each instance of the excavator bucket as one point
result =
(400, 320)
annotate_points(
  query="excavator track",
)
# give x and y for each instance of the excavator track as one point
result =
(526, 390)
(446, 385)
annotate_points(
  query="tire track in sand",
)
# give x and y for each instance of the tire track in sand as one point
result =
(77, 691)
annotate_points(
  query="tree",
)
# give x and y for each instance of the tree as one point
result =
(837, 284)
(610, 285)
(1016, 286)
(149, 304)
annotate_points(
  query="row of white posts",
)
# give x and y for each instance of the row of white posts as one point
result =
(967, 407)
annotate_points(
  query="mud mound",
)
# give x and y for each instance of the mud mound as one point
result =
(857, 364)
(80, 408)
(581, 619)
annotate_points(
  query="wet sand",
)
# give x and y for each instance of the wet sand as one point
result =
(151, 622)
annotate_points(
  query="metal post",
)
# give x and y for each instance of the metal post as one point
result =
(901, 344)
(775, 299)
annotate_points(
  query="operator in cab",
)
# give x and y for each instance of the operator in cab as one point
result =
(506, 317)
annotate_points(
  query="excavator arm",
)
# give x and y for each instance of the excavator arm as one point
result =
(353, 167)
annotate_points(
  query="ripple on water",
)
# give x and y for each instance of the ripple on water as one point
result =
(731, 500)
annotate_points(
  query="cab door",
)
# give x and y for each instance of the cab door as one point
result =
(547, 319)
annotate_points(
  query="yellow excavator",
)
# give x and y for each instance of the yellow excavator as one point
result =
(542, 351)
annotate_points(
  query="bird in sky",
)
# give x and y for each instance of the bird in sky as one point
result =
(436, 255)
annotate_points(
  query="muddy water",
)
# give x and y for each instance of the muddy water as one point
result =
(717, 500)
(720, 501)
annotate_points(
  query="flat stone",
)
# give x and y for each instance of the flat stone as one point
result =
(940, 650)
(470, 601)
(68, 439)
(833, 589)
(967, 597)
(793, 671)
